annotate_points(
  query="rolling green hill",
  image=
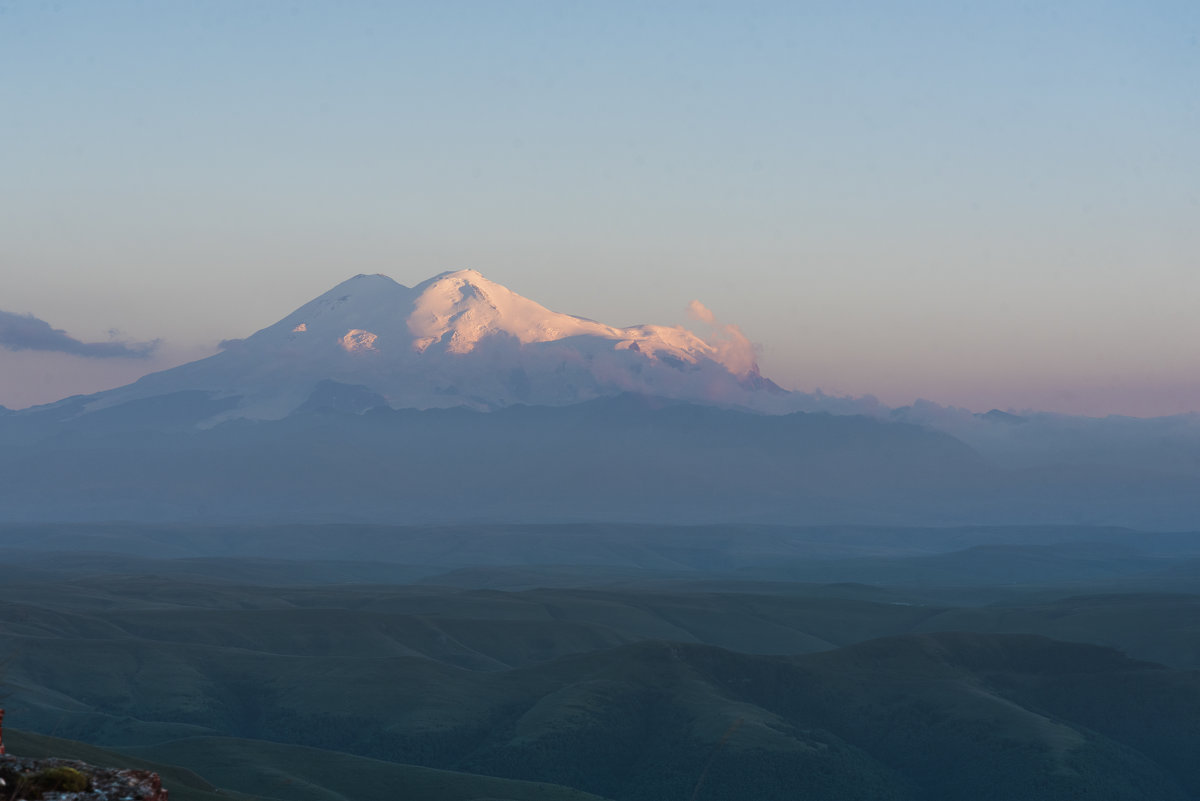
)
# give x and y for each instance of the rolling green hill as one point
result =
(272, 678)
(931, 716)
(310, 774)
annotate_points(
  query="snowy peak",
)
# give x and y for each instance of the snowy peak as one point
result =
(361, 294)
(357, 304)
(462, 308)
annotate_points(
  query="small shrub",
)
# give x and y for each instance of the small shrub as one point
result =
(59, 780)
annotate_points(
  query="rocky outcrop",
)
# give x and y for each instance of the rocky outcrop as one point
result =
(68, 780)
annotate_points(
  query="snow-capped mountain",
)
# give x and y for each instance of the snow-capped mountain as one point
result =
(594, 440)
(457, 339)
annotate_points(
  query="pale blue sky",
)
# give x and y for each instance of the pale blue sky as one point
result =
(984, 204)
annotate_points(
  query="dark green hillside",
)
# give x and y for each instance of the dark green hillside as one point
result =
(1163, 628)
(638, 687)
(488, 630)
(934, 716)
(309, 774)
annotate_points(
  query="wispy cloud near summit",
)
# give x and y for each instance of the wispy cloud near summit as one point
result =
(26, 332)
(734, 349)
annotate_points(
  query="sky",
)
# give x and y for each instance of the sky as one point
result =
(989, 205)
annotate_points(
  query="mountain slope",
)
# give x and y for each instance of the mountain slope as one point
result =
(298, 773)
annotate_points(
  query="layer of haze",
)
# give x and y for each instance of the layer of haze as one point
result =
(985, 206)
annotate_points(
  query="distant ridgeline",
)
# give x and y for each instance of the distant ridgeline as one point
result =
(624, 458)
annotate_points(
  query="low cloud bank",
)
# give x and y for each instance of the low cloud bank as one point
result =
(26, 332)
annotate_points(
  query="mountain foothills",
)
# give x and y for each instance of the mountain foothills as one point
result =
(459, 399)
(632, 663)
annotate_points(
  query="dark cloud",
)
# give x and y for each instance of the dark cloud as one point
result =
(26, 332)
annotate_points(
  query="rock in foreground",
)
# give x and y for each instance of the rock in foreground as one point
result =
(68, 780)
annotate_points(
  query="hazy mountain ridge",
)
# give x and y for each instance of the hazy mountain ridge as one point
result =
(627, 458)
